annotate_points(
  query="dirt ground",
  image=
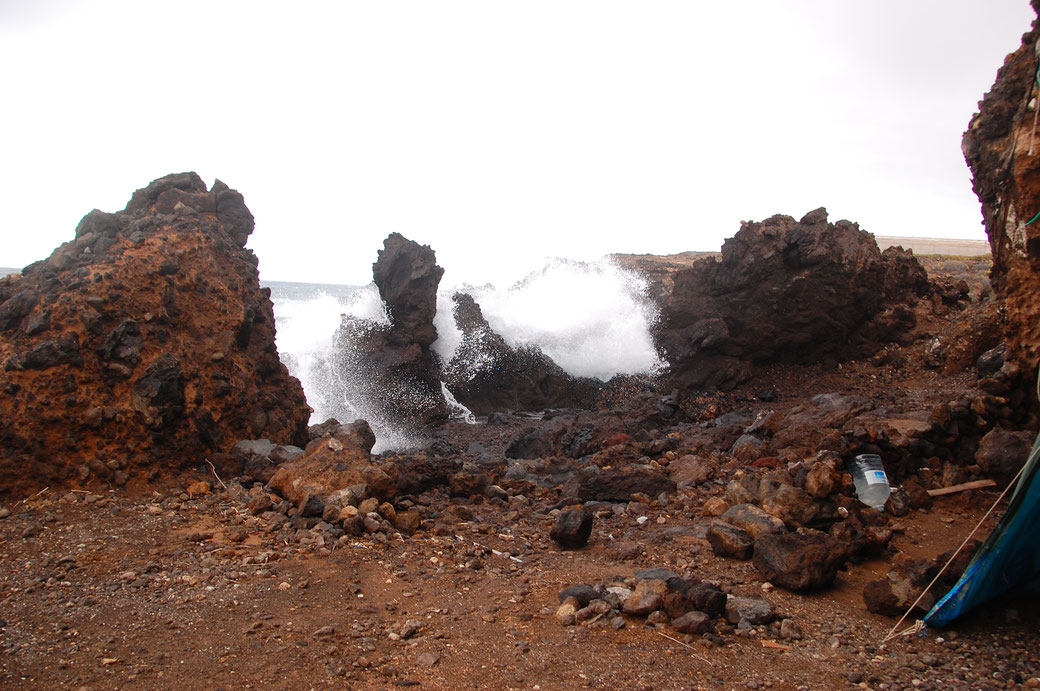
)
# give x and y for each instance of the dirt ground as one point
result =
(107, 592)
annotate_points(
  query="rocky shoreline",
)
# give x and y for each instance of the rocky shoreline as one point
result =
(169, 520)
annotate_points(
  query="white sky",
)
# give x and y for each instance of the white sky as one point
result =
(498, 133)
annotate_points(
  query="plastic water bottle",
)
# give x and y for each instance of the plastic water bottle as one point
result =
(868, 474)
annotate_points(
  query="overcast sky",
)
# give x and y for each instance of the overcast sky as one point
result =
(498, 133)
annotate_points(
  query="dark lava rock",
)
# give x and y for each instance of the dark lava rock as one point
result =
(907, 578)
(583, 593)
(727, 540)
(617, 484)
(707, 598)
(572, 527)
(407, 277)
(783, 290)
(694, 623)
(1002, 452)
(806, 560)
(391, 369)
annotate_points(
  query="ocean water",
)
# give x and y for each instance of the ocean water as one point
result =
(591, 318)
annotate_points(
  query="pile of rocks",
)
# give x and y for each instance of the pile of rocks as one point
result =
(661, 597)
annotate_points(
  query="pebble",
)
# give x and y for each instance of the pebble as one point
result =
(428, 659)
(410, 628)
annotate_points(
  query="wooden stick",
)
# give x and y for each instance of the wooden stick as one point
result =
(35, 495)
(685, 645)
(974, 484)
(215, 473)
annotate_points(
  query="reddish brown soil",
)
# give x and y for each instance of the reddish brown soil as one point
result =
(107, 595)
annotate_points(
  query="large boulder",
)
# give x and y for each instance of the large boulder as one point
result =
(783, 290)
(142, 345)
(806, 560)
(1002, 453)
(337, 470)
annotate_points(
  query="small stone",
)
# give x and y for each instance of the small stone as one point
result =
(583, 593)
(647, 597)
(5, 512)
(284, 586)
(789, 629)
(410, 628)
(656, 617)
(694, 623)
(568, 608)
(324, 631)
(715, 506)
(198, 489)
(428, 659)
(752, 610)
(572, 527)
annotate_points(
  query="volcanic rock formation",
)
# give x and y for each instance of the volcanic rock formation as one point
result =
(397, 371)
(146, 342)
(1002, 149)
(786, 290)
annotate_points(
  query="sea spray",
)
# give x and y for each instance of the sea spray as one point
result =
(311, 344)
(591, 318)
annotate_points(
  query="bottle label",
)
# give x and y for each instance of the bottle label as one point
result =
(876, 477)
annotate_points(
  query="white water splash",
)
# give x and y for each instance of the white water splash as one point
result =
(591, 318)
(456, 410)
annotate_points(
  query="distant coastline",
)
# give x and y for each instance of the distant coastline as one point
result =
(946, 246)
(4, 270)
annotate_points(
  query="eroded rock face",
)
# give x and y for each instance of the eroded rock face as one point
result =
(145, 343)
(1001, 151)
(407, 276)
(784, 290)
(397, 373)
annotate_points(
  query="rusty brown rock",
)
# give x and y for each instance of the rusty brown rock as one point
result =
(333, 464)
(145, 339)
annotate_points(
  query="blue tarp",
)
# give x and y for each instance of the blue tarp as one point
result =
(1010, 556)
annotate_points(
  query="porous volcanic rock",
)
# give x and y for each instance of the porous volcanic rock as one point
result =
(143, 344)
(999, 147)
(486, 374)
(784, 290)
(391, 366)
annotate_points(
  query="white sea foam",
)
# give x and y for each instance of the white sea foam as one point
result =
(591, 318)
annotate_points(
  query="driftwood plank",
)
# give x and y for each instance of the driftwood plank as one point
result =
(974, 484)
